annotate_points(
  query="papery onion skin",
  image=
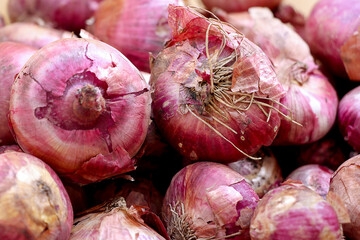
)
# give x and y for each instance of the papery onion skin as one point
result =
(216, 200)
(314, 176)
(350, 53)
(36, 36)
(293, 211)
(328, 27)
(12, 58)
(88, 118)
(263, 174)
(240, 5)
(34, 203)
(345, 183)
(65, 14)
(181, 113)
(136, 28)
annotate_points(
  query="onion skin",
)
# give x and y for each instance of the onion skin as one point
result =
(182, 66)
(313, 176)
(293, 211)
(350, 53)
(90, 118)
(36, 36)
(64, 14)
(214, 207)
(34, 202)
(240, 5)
(345, 183)
(348, 118)
(327, 19)
(7, 148)
(13, 57)
(134, 28)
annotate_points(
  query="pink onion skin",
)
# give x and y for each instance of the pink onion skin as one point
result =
(215, 206)
(134, 28)
(293, 211)
(182, 65)
(345, 183)
(349, 118)
(90, 118)
(8, 148)
(328, 27)
(12, 58)
(314, 176)
(34, 202)
(287, 14)
(64, 14)
(36, 36)
(240, 5)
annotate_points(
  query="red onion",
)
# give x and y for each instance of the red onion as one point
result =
(345, 183)
(36, 36)
(240, 5)
(66, 14)
(350, 53)
(314, 176)
(310, 98)
(115, 221)
(136, 28)
(349, 118)
(215, 92)
(208, 200)
(34, 203)
(12, 58)
(90, 118)
(328, 27)
(7, 148)
(293, 211)
(262, 175)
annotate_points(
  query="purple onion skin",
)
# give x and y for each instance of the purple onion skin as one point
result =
(349, 118)
(314, 176)
(12, 58)
(36, 36)
(64, 14)
(293, 211)
(216, 199)
(82, 107)
(328, 27)
(39, 207)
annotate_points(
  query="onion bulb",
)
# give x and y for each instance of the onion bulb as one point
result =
(82, 107)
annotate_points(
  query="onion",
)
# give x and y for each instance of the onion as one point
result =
(349, 118)
(208, 200)
(350, 53)
(8, 148)
(65, 14)
(114, 221)
(12, 58)
(215, 92)
(136, 28)
(314, 176)
(287, 14)
(310, 98)
(293, 211)
(89, 118)
(36, 36)
(34, 203)
(330, 18)
(345, 183)
(240, 5)
(262, 175)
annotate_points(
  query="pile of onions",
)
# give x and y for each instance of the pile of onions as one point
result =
(345, 183)
(294, 211)
(82, 107)
(331, 31)
(33, 202)
(215, 92)
(36, 36)
(197, 206)
(310, 98)
(12, 58)
(136, 28)
(314, 176)
(240, 5)
(263, 174)
(65, 14)
(349, 118)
